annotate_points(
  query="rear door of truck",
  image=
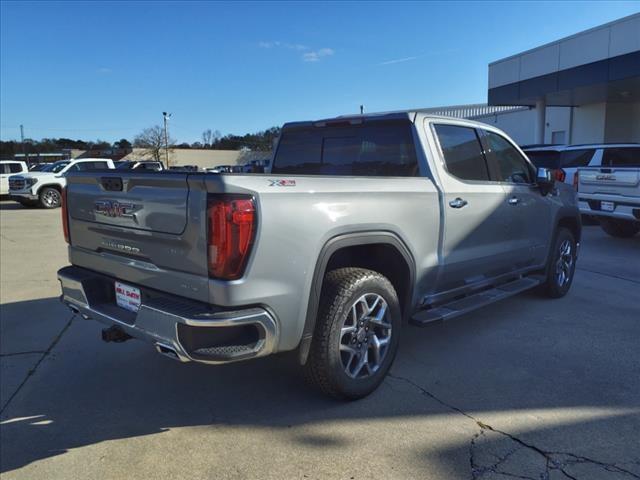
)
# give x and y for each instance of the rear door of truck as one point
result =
(143, 228)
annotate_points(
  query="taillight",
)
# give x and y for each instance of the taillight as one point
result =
(65, 216)
(230, 231)
(576, 179)
(561, 175)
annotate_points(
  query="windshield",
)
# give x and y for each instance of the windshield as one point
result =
(55, 167)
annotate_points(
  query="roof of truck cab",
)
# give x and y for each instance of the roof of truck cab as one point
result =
(583, 146)
(379, 116)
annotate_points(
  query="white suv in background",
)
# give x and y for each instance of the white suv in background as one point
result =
(44, 187)
(565, 160)
(8, 168)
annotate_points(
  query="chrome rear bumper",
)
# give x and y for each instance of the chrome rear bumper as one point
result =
(179, 328)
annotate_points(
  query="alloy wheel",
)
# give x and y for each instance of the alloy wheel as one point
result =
(51, 198)
(365, 336)
(564, 263)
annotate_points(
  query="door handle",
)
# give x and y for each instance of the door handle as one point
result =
(457, 203)
(513, 201)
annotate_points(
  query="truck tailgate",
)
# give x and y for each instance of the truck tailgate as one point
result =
(145, 228)
(611, 181)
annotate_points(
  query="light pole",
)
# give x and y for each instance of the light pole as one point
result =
(166, 116)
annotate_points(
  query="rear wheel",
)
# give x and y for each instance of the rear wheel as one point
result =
(356, 334)
(562, 265)
(50, 197)
(619, 228)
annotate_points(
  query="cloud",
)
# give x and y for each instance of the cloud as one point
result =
(104, 70)
(434, 53)
(308, 55)
(399, 60)
(278, 44)
(317, 55)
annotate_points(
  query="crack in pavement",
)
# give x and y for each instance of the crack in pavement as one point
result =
(2, 355)
(11, 240)
(610, 275)
(35, 367)
(554, 460)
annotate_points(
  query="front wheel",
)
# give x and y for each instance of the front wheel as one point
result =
(50, 198)
(562, 265)
(619, 228)
(356, 334)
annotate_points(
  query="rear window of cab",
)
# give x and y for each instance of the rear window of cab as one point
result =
(377, 148)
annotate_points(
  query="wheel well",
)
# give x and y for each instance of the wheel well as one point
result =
(51, 185)
(572, 224)
(382, 258)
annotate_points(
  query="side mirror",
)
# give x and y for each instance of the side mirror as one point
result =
(545, 180)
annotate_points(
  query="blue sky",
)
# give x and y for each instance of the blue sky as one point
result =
(108, 69)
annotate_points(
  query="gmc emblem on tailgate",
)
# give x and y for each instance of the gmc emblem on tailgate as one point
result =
(114, 209)
(606, 176)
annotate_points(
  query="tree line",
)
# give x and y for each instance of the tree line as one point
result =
(151, 138)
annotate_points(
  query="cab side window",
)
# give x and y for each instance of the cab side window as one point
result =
(462, 152)
(510, 166)
(85, 166)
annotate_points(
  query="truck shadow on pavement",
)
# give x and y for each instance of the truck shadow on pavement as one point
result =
(554, 377)
(9, 205)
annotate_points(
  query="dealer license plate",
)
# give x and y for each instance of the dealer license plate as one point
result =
(607, 206)
(128, 297)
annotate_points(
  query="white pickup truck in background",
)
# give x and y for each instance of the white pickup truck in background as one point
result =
(8, 168)
(612, 195)
(44, 187)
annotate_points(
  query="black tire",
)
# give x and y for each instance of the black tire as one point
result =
(619, 228)
(50, 197)
(555, 285)
(325, 368)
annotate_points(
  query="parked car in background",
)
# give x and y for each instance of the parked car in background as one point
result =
(218, 169)
(38, 167)
(44, 188)
(184, 168)
(364, 224)
(612, 195)
(139, 165)
(8, 168)
(564, 160)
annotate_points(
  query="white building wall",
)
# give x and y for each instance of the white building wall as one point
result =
(520, 125)
(558, 125)
(605, 41)
(588, 123)
(622, 122)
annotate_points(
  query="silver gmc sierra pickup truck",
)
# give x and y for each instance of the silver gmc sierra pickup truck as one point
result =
(362, 225)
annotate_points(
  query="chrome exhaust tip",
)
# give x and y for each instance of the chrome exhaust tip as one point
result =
(167, 351)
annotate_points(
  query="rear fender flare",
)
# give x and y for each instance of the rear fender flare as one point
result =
(331, 247)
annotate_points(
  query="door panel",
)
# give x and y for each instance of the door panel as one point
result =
(476, 238)
(530, 218)
(4, 179)
(529, 212)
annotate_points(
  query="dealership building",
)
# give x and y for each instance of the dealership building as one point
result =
(581, 89)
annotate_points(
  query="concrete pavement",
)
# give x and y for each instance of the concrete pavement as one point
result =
(530, 387)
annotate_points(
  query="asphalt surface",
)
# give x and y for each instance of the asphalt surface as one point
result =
(527, 388)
